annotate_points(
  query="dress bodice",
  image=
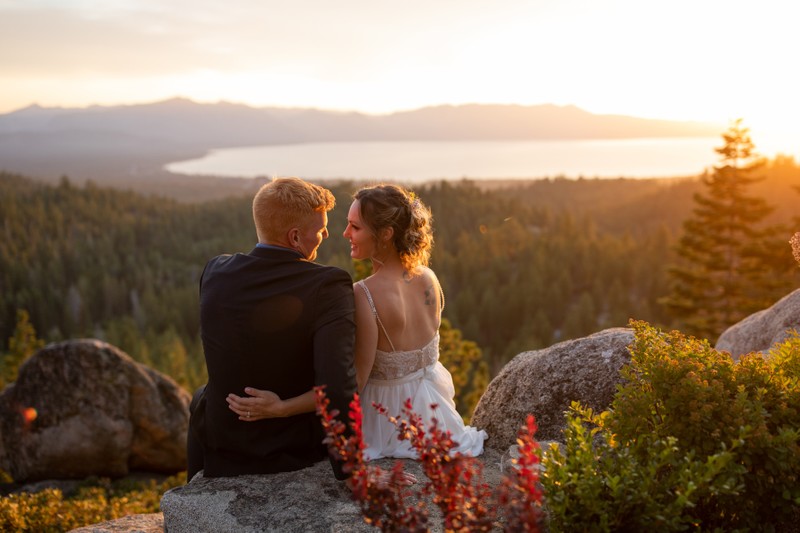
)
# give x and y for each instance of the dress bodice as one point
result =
(396, 364)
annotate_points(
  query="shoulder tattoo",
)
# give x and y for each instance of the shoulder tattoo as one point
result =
(430, 295)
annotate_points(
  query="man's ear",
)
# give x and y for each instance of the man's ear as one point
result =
(294, 236)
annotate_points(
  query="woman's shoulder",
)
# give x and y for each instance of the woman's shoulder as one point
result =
(361, 290)
(367, 283)
(369, 286)
(424, 272)
(426, 276)
(429, 284)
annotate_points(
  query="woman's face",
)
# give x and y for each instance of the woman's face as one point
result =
(362, 242)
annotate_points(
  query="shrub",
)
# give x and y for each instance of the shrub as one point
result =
(99, 500)
(692, 440)
(598, 484)
(521, 494)
(681, 387)
(383, 505)
(455, 481)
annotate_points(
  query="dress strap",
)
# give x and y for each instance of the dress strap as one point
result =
(375, 312)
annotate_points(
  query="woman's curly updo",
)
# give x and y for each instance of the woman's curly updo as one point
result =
(391, 206)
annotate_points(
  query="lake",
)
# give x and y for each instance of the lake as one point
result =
(418, 161)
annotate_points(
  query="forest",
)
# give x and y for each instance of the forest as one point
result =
(523, 264)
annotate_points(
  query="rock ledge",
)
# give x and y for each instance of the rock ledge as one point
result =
(305, 500)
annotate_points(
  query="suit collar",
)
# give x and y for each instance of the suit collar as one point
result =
(275, 252)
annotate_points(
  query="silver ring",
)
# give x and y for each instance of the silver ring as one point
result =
(248, 414)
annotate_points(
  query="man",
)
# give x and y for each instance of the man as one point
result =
(273, 320)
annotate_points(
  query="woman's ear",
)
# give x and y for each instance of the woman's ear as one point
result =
(387, 234)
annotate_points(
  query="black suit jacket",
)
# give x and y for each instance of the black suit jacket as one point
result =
(274, 321)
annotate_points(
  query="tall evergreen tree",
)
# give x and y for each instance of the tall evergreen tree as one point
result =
(21, 346)
(724, 271)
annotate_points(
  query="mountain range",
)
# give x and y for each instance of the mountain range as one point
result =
(139, 139)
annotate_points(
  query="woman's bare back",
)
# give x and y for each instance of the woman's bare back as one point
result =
(409, 307)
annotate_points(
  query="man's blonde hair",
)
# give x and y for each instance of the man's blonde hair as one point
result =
(286, 203)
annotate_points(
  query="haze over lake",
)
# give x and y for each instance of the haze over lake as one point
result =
(478, 141)
(415, 161)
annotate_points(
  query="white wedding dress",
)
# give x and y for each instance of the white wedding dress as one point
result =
(416, 374)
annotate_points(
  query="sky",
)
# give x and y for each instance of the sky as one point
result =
(705, 60)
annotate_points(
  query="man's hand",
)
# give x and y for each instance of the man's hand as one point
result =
(257, 405)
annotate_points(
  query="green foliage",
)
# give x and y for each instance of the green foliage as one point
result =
(650, 483)
(97, 501)
(732, 264)
(692, 441)
(680, 388)
(519, 274)
(465, 362)
(523, 264)
(98, 262)
(361, 269)
(22, 344)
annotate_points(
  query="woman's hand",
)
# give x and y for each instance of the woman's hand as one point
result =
(258, 405)
(385, 478)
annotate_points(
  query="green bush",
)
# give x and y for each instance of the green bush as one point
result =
(597, 484)
(97, 501)
(691, 440)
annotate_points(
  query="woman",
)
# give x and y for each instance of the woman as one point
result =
(398, 313)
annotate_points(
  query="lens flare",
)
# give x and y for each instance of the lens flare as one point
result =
(29, 414)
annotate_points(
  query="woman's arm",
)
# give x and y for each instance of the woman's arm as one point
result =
(263, 404)
(366, 338)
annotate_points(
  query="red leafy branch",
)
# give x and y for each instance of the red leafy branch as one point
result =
(381, 497)
(455, 480)
(520, 494)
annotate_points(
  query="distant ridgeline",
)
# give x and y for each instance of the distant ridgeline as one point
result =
(523, 264)
(120, 143)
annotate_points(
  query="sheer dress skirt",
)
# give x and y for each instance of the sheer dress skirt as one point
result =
(418, 375)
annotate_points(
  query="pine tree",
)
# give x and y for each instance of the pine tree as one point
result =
(725, 271)
(21, 346)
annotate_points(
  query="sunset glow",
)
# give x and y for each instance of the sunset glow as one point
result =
(670, 60)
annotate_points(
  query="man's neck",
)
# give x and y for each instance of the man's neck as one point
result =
(273, 246)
